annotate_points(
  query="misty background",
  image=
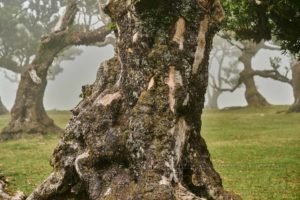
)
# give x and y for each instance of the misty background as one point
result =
(63, 93)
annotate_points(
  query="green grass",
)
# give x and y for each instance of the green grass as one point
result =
(256, 151)
(25, 162)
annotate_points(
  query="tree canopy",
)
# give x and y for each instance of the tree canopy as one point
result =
(265, 19)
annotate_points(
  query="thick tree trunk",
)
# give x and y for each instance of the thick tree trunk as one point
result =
(3, 109)
(252, 95)
(28, 115)
(296, 87)
(136, 134)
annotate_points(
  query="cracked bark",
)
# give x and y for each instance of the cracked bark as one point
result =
(136, 133)
(28, 115)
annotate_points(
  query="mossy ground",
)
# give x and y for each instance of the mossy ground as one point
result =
(256, 151)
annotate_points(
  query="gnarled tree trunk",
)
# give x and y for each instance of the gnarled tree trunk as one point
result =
(295, 82)
(3, 109)
(28, 115)
(136, 135)
(252, 95)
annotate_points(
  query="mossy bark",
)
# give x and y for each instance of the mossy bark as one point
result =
(296, 87)
(137, 134)
(3, 109)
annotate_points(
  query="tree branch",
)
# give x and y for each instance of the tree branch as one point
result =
(68, 17)
(9, 64)
(273, 74)
(215, 86)
(273, 48)
(90, 37)
(107, 41)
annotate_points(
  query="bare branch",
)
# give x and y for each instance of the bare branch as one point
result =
(68, 17)
(213, 82)
(226, 89)
(9, 64)
(104, 18)
(90, 37)
(107, 41)
(273, 74)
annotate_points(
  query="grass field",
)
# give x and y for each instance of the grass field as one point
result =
(256, 151)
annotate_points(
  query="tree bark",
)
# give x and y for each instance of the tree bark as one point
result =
(252, 95)
(295, 82)
(136, 134)
(3, 110)
(28, 115)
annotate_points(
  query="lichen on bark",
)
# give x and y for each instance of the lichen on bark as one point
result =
(137, 136)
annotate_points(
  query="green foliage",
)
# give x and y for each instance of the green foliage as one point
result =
(256, 151)
(86, 91)
(26, 162)
(261, 19)
(247, 19)
(112, 26)
(286, 17)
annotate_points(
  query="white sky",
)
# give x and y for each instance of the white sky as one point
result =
(63, 93)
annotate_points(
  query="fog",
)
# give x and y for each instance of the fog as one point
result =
(275, 92)
(63, 93)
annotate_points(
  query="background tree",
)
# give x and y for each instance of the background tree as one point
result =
(3, 110)
(222, 71)
(28, 114)
(262, 20)
(135, 135)
(22, 23)
(257, 20)
(246, 77)
(295, 82)
(290, 75)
